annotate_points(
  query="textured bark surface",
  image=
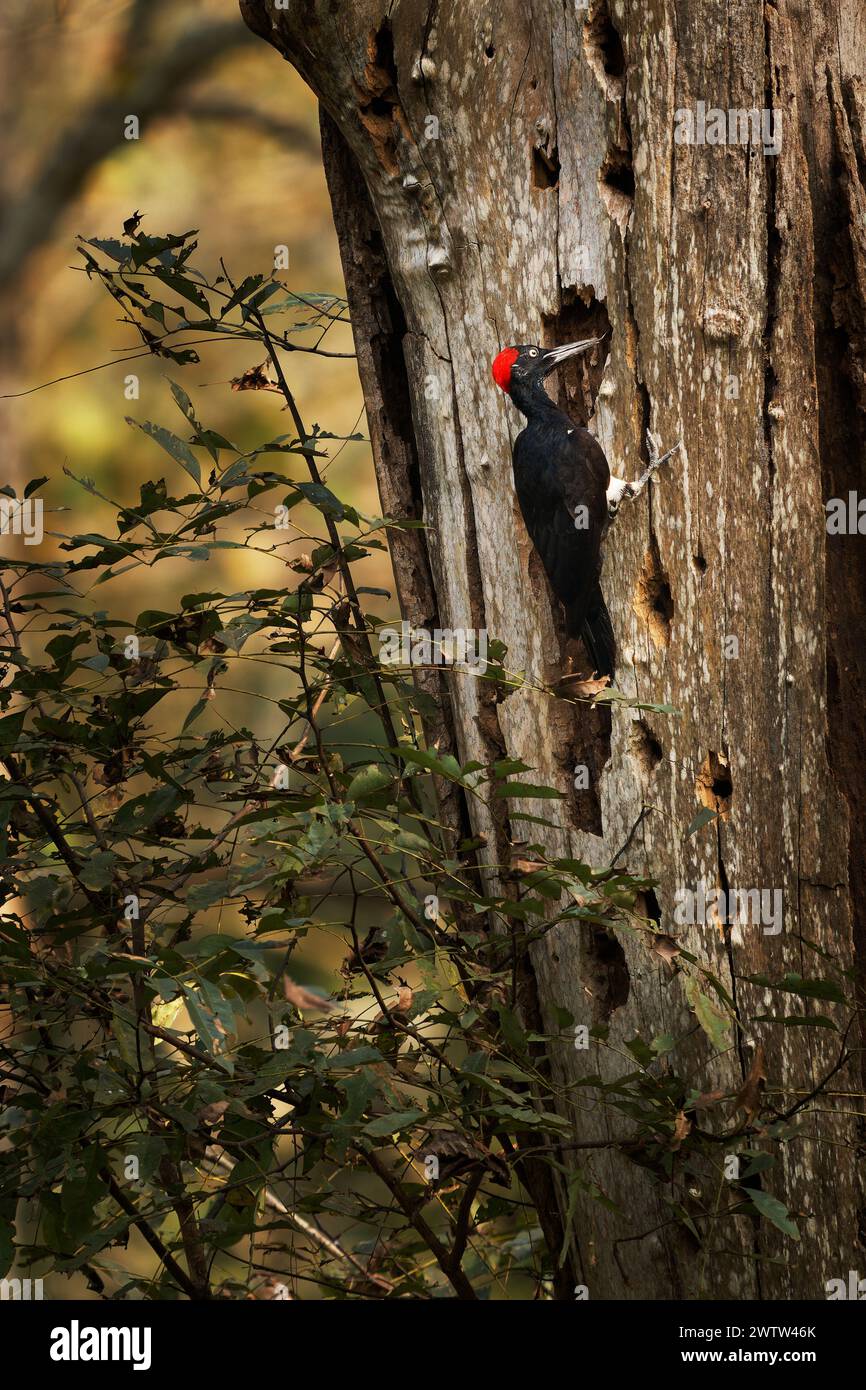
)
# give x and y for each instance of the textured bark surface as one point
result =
(551, 199)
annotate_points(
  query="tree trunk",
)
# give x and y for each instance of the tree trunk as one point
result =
(504, 172)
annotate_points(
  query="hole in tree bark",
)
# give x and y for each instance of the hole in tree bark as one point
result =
(616, 185)
(381, 65)
(654, 602)
(604, 52)
(379, 108)
(545, 167)
(575, 386)
(606, 974)
(591, 729)
(715, 787)
(647, 905)
(644, 747)
(617, 173)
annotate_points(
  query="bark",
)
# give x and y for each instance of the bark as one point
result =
(553, 199)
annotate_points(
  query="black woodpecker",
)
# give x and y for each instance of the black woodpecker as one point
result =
(566, 492)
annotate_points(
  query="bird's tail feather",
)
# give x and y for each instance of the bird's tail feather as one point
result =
(593, 625)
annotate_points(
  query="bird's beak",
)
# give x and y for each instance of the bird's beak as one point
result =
(554, 356)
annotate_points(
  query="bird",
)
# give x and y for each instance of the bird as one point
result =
(567, 494)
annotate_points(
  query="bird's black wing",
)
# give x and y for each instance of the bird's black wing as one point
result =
(561, 478)
(597, 634)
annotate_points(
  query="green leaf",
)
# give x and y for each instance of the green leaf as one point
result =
(183, 401)
(82, 1190)
(704, 816)
(507, 767)
(204, 895)
(642, 1054)
(444, 766)
(322, 498)
(10, 729)
(758, 1163)
(142, 811)
(370, 780)
(811, 989)
(392, 1124)
(512, 1030)
(212, 1017)
(98, 871)
(7, 1234)
(413, 844)
(178, 450)
(796, 984)
(245, 288)
(714, 1023)
(799, 1020)
(774, 1210)
(527, 789)
(185, 288)
(198, 708)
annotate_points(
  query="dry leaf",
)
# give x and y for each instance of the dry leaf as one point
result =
(708, 1098)
(527, 866)
(371, 950)
(255, 379)
(681, 1129)
(749, 1098)
(272, 1288)
(327, 572)
(456, 1154)
(588, 688)
(404, 1000)
(304, 998)
(213, 1113)
(665, 947)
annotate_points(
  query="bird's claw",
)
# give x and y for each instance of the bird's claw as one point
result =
(613, 506)
(655, 460)
(627, 492)
(653, 445)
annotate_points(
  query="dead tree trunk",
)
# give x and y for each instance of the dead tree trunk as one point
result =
(504, 172)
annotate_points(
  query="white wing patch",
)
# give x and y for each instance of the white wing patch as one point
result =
(616, 490)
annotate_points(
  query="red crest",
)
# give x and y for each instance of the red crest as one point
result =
(502, 365)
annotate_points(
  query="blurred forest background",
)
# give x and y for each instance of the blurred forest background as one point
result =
(229, 145)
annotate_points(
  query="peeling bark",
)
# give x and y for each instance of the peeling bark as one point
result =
(553, 194)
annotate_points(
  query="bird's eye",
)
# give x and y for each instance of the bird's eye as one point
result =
(533, 352)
